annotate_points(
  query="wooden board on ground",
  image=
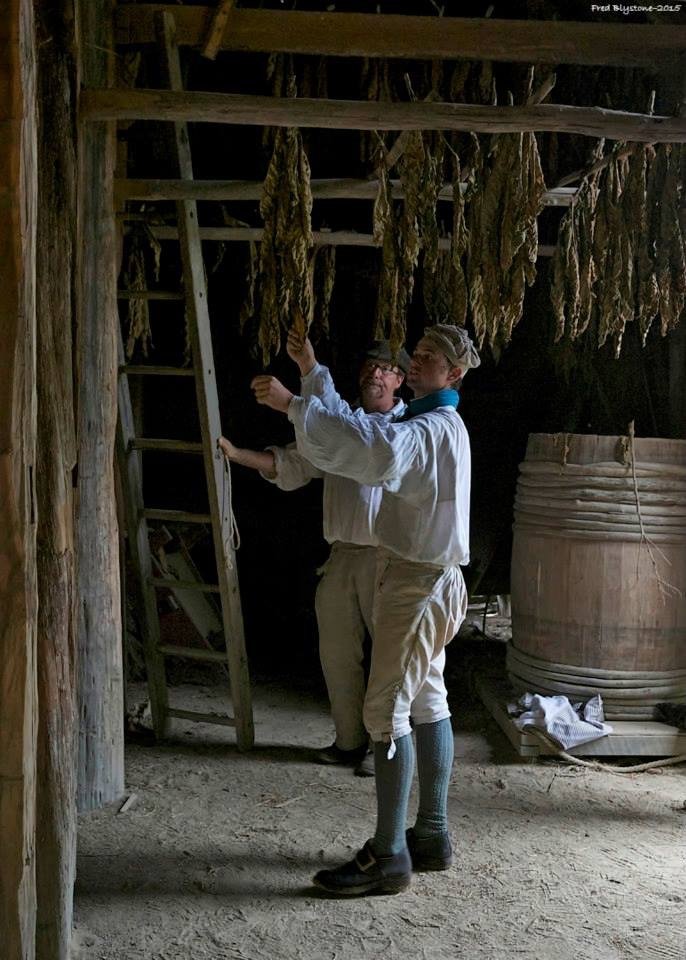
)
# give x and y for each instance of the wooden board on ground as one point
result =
(635, 738)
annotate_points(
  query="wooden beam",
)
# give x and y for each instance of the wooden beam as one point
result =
(322, 238)
(197, 107)
(100, 667)
(56, 459)
(18, 598)
(416, 38)
(217, 28)
(343, 189)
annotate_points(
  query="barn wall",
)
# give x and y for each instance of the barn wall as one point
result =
(18, 696)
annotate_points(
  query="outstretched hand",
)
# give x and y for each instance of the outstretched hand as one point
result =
(300, 349)
(270, 392)
(227, 448)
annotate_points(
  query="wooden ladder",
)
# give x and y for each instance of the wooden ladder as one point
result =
(129, 448)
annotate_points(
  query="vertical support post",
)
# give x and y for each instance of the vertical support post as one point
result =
(100, 672)
(18, 609)
(56, 459)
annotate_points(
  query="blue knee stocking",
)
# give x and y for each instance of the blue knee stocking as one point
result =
(435, 750)
(393, 782)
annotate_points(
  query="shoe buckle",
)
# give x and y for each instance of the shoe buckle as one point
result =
(370, 862)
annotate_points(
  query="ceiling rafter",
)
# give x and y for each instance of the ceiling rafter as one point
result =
(414, 37)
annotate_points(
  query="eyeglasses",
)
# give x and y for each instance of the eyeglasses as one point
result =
(385, 369)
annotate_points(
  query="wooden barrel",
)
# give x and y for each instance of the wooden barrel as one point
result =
(598, 576)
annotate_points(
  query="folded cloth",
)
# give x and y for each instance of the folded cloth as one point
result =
(566, 723)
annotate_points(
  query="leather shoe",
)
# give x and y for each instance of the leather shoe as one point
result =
(334, 755)
(367, 873)
(365, 768)
(429, 853)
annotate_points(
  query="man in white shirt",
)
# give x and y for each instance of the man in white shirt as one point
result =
(346, 589)
(423, 467)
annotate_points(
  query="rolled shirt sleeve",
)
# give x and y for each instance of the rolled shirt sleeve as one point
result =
(292, 469)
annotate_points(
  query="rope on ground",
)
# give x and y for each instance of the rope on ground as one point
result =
(608, 767)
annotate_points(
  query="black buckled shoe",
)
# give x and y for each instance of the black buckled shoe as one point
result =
(367, 873)
(334, 755)
(429, 853)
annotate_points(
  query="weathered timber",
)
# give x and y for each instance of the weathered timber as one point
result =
(18, 613)
(343, 189)
(213, 39)
(201, 107)
(219, 718)
(216, 468)
(100, 680)
(56, 459)
(321, 238)
(416, 38)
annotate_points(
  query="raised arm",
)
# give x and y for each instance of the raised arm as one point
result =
(315, 379)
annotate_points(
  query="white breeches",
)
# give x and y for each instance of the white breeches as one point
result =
(418, 609)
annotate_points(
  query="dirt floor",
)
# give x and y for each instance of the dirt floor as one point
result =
(213, 860)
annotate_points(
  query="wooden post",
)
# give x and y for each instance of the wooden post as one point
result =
(101, 722)
(56, 458)
(18, 696)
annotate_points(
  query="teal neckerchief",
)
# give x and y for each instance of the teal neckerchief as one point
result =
(439, 398)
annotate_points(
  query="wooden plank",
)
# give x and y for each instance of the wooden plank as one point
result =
(417, 38)
(192, 653)
(164, 446)
(171, 583)
(150, 370)
(98, 603)
(629, 738)
(56, 459)
(149, 295)
(321, 238)
(181, 106)
(18, 596)
(343, 189)
(219, 718)
(216, 468)
(175, 516)
(130, 469)
(217, 28)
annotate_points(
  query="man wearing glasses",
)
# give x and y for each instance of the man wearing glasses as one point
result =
(346, 589)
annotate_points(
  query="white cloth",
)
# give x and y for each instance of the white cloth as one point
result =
(568, 724)
(349, 508)
(423, 466)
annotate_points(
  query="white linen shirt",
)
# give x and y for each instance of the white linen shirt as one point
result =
(422, 466)
(349, 508)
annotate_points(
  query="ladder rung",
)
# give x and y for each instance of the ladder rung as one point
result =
(175, 516)
(166, 446)
(222, 718)
(171, 584)
(150, 295)
(192, 653)
(148, 369)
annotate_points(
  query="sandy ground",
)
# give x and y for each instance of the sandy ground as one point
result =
(214, 859)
